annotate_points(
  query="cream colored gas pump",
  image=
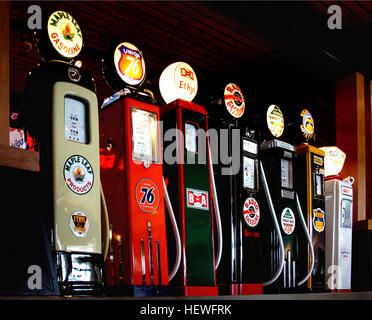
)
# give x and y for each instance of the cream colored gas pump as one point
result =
(76, 182)
(63, 111)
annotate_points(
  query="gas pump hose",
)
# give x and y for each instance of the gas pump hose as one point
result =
(175, 231)
(303, 223)
(217, 209)
(277, 228)
(106, 224)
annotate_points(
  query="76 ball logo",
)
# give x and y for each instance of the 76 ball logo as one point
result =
(147, 195)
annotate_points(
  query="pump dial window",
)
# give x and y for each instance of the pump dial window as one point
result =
(76, 124)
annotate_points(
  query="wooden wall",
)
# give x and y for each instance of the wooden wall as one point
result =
(353, 136)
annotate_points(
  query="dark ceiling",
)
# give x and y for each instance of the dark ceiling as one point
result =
(274, 50)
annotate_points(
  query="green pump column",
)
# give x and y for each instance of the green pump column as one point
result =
(189, 184)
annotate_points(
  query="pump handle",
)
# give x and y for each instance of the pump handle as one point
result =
(175, 231)
(350, 179)
(276, 224)
(303, 223)
(217, 210)
(106, 223)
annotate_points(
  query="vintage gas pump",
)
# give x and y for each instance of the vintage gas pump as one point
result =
(309, 183)
(62, 113)
(237, 183)
(132, 177)
(277, 159)
(190, 182)
(339, 209)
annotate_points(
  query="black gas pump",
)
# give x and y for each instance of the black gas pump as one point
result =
(246, 208)
(62, 114)
(277, 162)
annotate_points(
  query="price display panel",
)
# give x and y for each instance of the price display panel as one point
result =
(76, 120)
(145, 135)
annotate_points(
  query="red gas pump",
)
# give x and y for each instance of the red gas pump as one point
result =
(190, 182)
(132, 178)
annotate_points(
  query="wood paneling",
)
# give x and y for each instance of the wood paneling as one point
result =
(350, 136)
(9, 156)
(165, 31)
(4, 73)
(217, 44)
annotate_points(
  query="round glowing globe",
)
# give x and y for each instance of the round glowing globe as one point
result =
(333, 161)
(178, 81)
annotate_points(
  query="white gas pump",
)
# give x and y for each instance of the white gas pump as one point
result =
(339, 214)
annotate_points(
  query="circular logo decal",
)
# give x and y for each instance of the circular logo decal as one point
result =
(318, 219)
(345, 253)
(129, 63)
(74, 74)
(307, 125)
(79, 224)
(147, 195)
(178, 81)
(288, 221)
(78, 174)
(65, 34)
(234, 100)
(275, 120)
(251, 212)
(186, 82)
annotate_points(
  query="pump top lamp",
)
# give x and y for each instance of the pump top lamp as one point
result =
(333, 162)
(178, 81)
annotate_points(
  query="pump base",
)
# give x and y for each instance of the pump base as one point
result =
(139, 291)
(79, 273)
(340, 290)
(246, 288)
(237, 289)
(282, 290)
(200, 291)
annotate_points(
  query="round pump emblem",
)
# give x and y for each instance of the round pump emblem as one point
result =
(318, 219)
(234, 100)
(147, 195)
(251, 212)
(275, 120)
(65, 34)
(79, 224)
(129, 64)
(307, 124)
(288, 221)
(78, 174)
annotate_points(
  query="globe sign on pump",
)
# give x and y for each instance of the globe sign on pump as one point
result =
(178, 81)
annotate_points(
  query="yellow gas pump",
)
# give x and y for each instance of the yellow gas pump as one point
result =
(309, 181)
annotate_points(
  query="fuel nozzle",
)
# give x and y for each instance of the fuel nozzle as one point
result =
(350, 179)
(250, 133)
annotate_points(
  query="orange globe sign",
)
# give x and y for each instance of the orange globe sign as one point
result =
(129, 63)
(234, 100)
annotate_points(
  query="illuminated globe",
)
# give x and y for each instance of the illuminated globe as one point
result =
(178, 81)
(333, 161)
